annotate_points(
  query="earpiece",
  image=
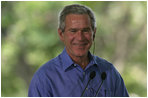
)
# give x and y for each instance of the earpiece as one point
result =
(93, 36)
(94, 44)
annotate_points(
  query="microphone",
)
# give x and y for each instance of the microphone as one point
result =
(103, 76)
(91, 76)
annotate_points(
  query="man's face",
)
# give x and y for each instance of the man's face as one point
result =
(78, 34)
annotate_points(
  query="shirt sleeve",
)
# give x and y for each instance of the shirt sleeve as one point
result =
(120, 89)
(39, 87)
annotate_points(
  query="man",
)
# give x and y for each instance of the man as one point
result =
(76, 72)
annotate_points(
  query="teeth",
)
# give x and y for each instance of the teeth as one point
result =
(80, 44)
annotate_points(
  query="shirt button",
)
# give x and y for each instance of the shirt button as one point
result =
(86, 88)
(74, 65)
(83, 73)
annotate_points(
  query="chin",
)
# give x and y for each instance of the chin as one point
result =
(77, 51)
(81, 53)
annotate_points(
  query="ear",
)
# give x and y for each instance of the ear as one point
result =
(94, 33)
(61, 35)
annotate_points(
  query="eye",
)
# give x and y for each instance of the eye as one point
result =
(73, 30)
(86, 30)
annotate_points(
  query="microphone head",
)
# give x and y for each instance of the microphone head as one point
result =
(92, 74)
(103, 75)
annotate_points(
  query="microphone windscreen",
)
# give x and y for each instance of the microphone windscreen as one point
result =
(92, 75)
(103, 75)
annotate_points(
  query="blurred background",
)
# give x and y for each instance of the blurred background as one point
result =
(29, 39)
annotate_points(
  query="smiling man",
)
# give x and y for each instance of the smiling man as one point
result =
(76, 72)
(77, 37)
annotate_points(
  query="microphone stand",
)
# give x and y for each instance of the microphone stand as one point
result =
(99, 89)
(91, 76)
(85, 88)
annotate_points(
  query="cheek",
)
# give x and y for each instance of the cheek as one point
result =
(89, 37)
(68, 39)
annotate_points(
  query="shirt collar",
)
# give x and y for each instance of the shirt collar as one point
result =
(92, 61)
(67, 61)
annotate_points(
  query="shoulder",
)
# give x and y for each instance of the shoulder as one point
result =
(40, 83)
(44, 74)
(49, 67)
(103, 64)
(106, 66)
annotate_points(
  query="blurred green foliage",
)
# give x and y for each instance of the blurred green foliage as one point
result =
(29, 39)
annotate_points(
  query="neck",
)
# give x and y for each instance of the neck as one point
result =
(83, 61)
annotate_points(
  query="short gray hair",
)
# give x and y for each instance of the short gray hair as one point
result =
(76, 9)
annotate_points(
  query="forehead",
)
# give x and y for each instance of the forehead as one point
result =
(77, 20)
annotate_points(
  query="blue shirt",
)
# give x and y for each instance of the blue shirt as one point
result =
(61, 77)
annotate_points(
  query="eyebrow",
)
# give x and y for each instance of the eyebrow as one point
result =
(87, 28)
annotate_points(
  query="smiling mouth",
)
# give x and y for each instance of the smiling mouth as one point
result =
(80, 44)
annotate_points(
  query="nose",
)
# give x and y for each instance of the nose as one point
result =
(80, 35)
